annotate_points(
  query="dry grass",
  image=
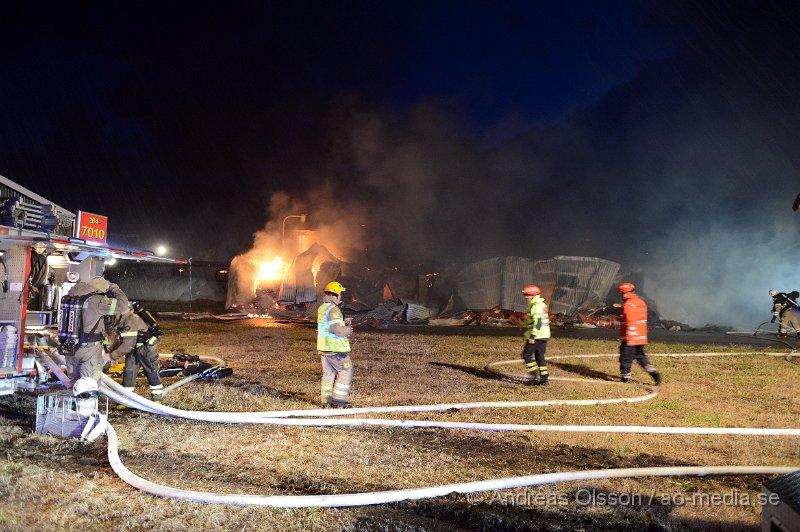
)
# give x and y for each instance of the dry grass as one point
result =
(47, 483)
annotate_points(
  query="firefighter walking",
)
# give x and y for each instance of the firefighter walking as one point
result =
(139, 332)
(633, 334)
(333, 345)
(89, 305)
(537, 332)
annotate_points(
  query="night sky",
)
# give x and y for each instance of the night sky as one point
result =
(661, 135)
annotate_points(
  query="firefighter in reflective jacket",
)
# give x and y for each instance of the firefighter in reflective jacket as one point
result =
(633, 334)
(334, 349)
(138, 346)
(537, 332)
(103, 301)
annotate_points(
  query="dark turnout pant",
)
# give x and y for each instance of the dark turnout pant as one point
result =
(629, 353)
(146, 357)
(533, 355)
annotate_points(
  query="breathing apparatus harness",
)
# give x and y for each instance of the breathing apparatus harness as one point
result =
(153, 328)
(70, 329)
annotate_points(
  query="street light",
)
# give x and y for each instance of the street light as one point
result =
(161, 250)
(283, 229)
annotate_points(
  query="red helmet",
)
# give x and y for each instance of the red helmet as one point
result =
(531, 290)
(624, 288)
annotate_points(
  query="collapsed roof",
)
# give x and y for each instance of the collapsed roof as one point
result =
(567, 283)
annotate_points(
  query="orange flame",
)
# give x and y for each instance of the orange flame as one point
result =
(271, 270)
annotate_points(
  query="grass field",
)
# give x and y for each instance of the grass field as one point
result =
(48, 483)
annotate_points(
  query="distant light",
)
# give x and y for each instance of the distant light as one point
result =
(111, 262)
(161, 250)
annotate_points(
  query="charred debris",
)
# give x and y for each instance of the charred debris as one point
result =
(580, 291)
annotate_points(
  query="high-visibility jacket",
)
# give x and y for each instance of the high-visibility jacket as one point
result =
(634, 320)
(329, 314)
(537, 324)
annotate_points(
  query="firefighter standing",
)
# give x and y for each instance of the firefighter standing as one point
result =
(138, 346)
(633, 334)
(537, 332)
(334, 349)
(100, 300)
(784, 307)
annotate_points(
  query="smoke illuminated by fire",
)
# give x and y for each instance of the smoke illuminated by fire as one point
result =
(338, 226)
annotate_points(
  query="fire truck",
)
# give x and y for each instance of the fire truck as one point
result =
(44, 250)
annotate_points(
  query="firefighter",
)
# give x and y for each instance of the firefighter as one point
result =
(333, 345)
(138, 346)
(784, 308)
(100, 301)
(537, 332)
(633, 334)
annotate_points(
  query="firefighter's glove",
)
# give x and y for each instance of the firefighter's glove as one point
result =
(773, 319)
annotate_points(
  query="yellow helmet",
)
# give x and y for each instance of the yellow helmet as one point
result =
(335, 288)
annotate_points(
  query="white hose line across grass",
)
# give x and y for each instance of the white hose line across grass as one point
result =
(117, 393)
(383, 497)
(137, 401)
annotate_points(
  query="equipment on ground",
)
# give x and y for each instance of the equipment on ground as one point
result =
(182, 365)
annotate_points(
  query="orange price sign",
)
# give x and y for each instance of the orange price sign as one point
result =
(91, 227)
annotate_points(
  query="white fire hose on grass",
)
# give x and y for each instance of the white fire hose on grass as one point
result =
(117, 393)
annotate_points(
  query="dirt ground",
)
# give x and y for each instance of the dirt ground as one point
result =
(52, 483)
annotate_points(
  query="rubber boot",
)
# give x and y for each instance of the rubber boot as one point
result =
(543, 380)
(535, 378)
(336, 403)
(656, 376)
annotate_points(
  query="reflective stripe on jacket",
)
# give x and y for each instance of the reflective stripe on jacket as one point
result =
(634, 320)
(538, 322)
(329, 314)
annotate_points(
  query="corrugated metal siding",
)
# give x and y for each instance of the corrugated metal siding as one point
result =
(496, 282)
(298, 285)
(288, 287)
(567, 283)
(581, 282)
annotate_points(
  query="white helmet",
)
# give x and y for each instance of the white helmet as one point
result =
(773, 292)
(84, 385)
(86, 395)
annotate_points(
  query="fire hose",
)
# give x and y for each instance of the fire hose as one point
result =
(117, 393)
